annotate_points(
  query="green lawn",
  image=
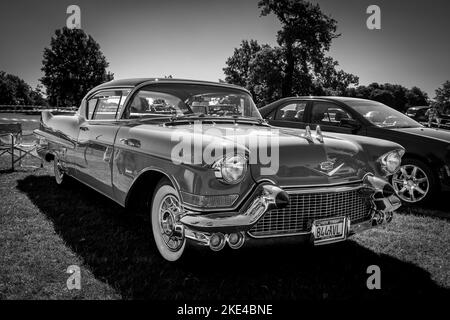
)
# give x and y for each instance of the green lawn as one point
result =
(45, 228)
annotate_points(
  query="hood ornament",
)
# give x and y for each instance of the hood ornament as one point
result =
(319, 135)
(307, 135)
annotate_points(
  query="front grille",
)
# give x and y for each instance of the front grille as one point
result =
(304, 208)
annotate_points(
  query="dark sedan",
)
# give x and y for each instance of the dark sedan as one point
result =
(425, 167)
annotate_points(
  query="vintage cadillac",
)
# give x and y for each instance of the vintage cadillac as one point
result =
(199, 159)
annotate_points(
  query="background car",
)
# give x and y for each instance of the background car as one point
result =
(426, 165)
(123, 144)
(418, 113)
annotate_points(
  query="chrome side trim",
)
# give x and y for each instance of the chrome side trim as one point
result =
(322, 185)
(323, 190)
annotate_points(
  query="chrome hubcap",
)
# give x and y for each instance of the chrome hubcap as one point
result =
(171, 229)
(411, 183)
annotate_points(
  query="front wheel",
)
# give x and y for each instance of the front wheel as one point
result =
(414, 182)
(168, 232)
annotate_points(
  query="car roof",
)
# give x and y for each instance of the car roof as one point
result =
(326, 98)
(134, 82)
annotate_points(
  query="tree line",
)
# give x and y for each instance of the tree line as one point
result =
(298, 65)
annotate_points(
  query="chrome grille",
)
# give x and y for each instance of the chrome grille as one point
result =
(304, 208)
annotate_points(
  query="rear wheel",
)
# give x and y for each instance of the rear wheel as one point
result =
(168, 232)
(414, 182)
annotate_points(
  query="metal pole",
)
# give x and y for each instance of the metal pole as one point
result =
(12, 152)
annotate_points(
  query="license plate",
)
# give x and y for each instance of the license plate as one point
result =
(329, 230)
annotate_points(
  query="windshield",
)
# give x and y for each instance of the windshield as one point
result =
(382, 115)
(191, 100)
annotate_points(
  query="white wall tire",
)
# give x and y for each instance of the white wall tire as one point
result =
(165, 212)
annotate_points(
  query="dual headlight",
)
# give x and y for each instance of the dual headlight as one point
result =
(391, 161)
(231, 169)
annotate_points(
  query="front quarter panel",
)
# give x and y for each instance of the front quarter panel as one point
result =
(150, 150)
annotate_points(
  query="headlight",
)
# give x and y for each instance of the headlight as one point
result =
(231, 169)
(390, 162)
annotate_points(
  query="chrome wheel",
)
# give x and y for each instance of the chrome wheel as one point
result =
(171, 230)
(411, 183)
(168, 232)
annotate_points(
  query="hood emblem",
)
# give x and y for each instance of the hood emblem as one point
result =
(327, 167)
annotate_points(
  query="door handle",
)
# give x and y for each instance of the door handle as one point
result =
(131, 142)
(84, 128)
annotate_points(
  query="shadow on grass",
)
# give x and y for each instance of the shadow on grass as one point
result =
(118, 249)
(437, 207)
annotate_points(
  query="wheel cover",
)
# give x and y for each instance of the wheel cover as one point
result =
(411, 183)
(171, 230)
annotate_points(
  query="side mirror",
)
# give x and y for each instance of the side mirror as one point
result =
(350, 123)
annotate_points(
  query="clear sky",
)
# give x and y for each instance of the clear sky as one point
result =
(193, 38)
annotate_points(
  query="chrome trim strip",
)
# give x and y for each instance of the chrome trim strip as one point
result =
(323, 190)
(285, 187)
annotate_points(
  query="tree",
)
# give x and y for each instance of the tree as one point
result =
(416, 97)
(265, 79)
(15, 91)
(72, 66)
(393, 95)
(306, 33)
(298, 65)
(238, 70)
(443, 97)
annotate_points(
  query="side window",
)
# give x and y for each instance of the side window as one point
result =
(291, 112)
(328, 114)
(106, 105)
(91, 104)
(151, 104)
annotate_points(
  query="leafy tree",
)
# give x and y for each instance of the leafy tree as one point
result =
(331, 81)
(416, 97)
(72, 65)
(238, 70)
(265, 79)
(306, 33)
(393, 95)
(443, 97)
(15, 91)
(298, 65)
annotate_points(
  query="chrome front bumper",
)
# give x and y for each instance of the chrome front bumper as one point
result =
(217, 229)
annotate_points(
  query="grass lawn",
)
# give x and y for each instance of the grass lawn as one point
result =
(45, 228)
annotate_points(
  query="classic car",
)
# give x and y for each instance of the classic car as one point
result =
(425, 168)
(196, 174)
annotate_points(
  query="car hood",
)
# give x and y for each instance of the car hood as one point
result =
(434, 133)
(304, 162)
(283, 156)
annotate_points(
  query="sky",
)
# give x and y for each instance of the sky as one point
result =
(193, 38)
